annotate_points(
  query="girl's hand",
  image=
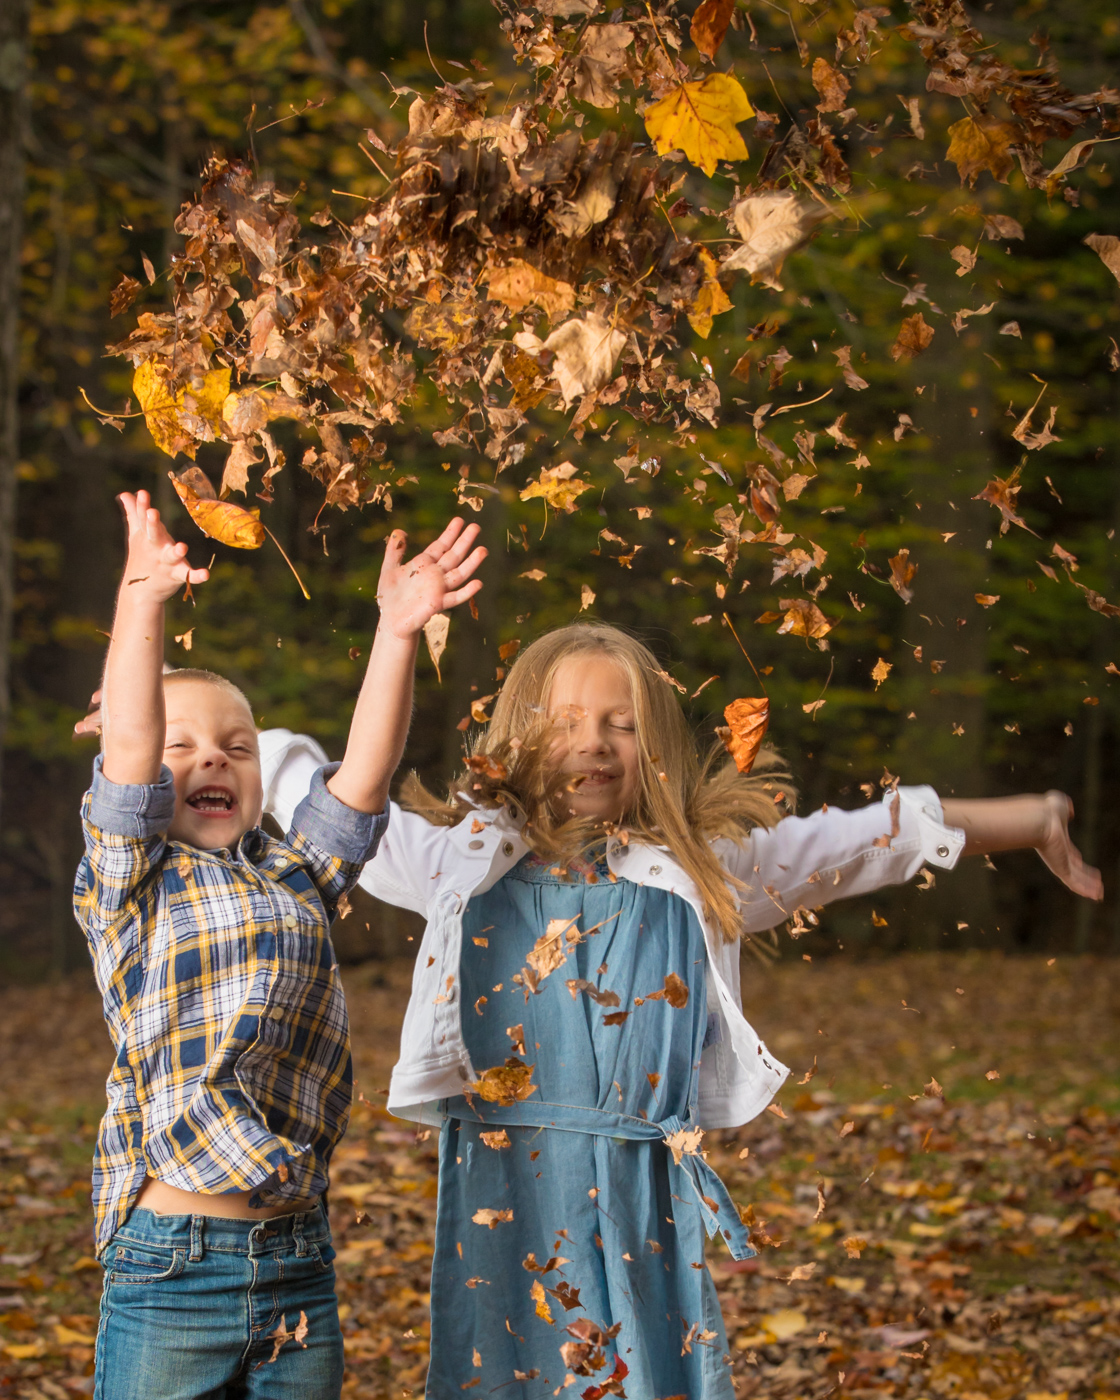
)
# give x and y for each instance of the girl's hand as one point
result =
(1059, 852)
(156, 567)
(410, 594)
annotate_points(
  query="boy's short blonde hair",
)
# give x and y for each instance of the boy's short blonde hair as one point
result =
(197, 674)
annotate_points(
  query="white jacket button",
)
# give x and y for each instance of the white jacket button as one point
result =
(475, 845)
(943, 851)
(655, 870)
(507, 848)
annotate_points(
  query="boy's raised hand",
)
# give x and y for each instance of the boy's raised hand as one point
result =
(409, 594)
(157, 565)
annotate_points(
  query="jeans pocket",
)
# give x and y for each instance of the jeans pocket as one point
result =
(317, 1261)
(133, 1263)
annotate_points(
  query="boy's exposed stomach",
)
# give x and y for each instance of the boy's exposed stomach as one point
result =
(163, 1199)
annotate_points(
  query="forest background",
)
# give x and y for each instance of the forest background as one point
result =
(126, 103)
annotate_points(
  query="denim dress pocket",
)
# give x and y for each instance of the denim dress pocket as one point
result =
(133, 1264)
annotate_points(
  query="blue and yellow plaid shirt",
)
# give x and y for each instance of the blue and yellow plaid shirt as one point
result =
(222, 996)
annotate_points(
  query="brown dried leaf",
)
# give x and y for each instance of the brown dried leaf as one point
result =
(505, 1084)
(492, 1218)
(902, 572)
(221, 520)
(557, 487)
(709, 25)
(1107, 248)
(977, 145)
(803, 619)
(771, 226)
(914, 336)
(831, 85)
(519, 285)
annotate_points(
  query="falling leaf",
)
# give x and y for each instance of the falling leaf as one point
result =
(700, 119)
(747, 720)
(655, 1079)
(1107, 248)
(998, 226)
(854, 1246)
(803, 619)
(831, 85)
(505, 1084)
(585, 348)
(880, 671)
(1023, 432)
(1011, 328)
(602, 62)
(534, 574)
(977, 145)
(991, 1074)
(1002, 494)
(851, 378)
(987, 599)
(435, 635)
(557, 487)
(551, 949)
(123, 294)
(964, 257)
(492, 1218)
(711, 299)
(179, 421)
(519, 285)
(586, 598)
(684, 1142)
(538, 1296)
(186, 639)
(801, 1272)
(280, 1334)
(709, 25)
(914, 336)
(771, 226)
(675, 992)
(221, 520)
(902, 573)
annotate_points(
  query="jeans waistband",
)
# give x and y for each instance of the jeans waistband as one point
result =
(197, 1233)
(717, 1210)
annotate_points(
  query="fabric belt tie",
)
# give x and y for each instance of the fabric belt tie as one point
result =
(717, 1209)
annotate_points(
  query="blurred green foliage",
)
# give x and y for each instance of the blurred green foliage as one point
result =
(130, 99)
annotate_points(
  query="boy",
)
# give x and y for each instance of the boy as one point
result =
(210, 941)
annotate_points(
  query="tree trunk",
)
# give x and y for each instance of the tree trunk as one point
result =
(13, 98)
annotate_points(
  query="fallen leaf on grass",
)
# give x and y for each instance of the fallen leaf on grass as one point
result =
(701, 119)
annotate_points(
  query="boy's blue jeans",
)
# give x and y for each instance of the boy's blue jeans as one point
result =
(197, 1308)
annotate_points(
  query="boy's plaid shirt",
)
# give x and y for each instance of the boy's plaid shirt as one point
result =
(222, 997)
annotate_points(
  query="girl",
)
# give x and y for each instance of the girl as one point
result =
(575, 1018)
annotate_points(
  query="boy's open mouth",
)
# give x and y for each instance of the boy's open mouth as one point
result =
(212, 801)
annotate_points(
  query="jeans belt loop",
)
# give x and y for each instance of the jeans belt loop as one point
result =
(298, 1222)
(195, 1255)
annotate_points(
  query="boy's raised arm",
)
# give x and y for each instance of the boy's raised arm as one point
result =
(408, 595)
(132, 709)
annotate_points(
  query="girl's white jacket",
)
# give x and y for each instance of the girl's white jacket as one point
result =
(435, 870)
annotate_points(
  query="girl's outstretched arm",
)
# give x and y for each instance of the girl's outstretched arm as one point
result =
(408, 595)
(1038, 820)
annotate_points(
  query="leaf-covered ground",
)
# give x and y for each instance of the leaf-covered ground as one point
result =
(989, 1264)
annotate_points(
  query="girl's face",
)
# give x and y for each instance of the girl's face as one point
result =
(592, 714)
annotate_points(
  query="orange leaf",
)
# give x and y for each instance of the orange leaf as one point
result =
(221, 520)
(709, 25)
(902, 572)
(746, 724)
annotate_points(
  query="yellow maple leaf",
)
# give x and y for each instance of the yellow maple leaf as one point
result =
(543, 1310)
(701, 119)
(981, 145)
(557, 487)
(711, 299)
(178, 422)
(880, 671)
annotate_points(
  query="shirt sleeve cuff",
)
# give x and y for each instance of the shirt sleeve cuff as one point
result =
(941, 845)
(136, 810)
(338, 830)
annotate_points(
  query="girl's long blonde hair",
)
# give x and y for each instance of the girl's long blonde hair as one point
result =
(682, 802)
